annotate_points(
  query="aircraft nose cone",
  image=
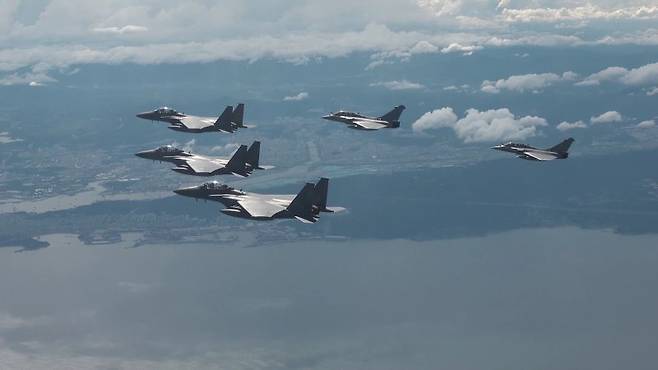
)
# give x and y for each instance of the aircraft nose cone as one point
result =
(144, 115)
(328, 116)
(142, 154)
(185, 191)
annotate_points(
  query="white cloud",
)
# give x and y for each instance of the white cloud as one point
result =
(607, 117)
(27, 78)
(423, 47)
(566, 126)
(199, 31)
(641, 76)
(461, 88)
(653, 91)
(459, 48)
(527, 82)
(442, 7)
(608, 74)
(399, 85)
(299, 97)
(647, 124)
(482, 126)
(120, 30)
(578, 13)
(444, 117)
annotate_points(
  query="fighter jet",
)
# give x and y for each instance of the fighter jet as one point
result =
(229, 121)
(241, 163)
(523, 151)
(361, 122)
(305, 206)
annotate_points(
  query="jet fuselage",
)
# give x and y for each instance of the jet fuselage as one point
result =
(522, 150)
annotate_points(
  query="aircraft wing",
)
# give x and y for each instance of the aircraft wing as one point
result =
(259, 207)
(195, 123)
(282, 200)
(367, 125)
(203, 165)
(540, 156)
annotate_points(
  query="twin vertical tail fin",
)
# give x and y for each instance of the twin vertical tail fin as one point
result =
(238, 115)
(224, 122)
(253, 154)
(301, 207)
(320, 192)
(237, 162)
(394, 115)
(562, 147)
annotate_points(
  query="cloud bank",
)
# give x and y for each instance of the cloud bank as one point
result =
(641, 76)
(527, 82)
(198, 31)
(481, 126)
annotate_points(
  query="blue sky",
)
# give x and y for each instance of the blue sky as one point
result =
(45, 40)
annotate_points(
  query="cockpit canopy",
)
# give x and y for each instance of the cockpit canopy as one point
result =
(516, 145)
(166, 111)
(214, 185)
(346, 114)
(169, 149)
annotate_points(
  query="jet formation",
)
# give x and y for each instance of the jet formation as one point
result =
(527, 152)
(305, 206)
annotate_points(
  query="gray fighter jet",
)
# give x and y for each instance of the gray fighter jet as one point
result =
(523, 151)
(305, 206)
(229, 121)
(361, 122)
(241, 163)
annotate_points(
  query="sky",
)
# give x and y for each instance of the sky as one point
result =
(39, 36)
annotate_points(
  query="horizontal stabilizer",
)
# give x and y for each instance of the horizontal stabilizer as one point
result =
(304, 220)
(230, 211)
